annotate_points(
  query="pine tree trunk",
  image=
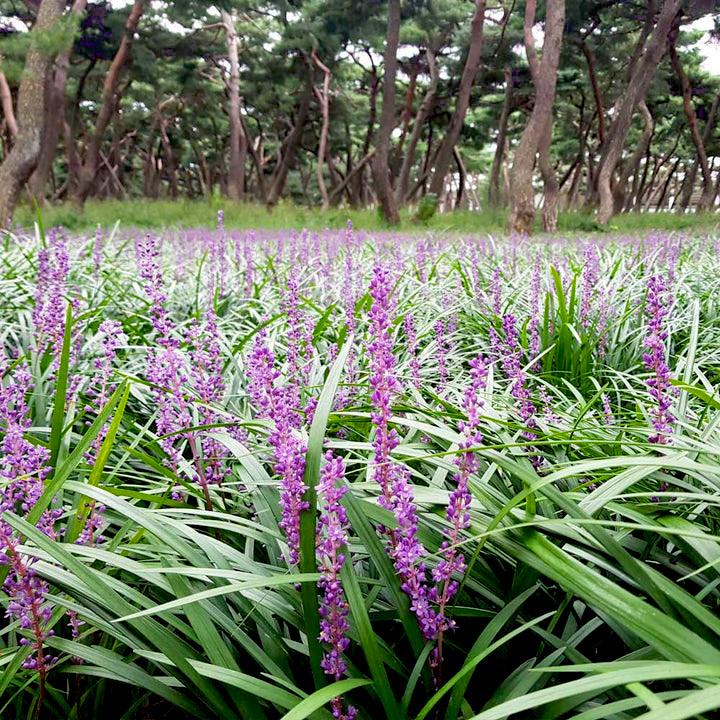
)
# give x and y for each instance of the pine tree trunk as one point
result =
(7, 105)
(538, 131)
(702, 159)
(632, 164)
(31, 108)
(55, 116)
(290, 145)
(421, 116)
(236, 176)
(643, 72)
(381, 161)
(494, 199)
(323, 97)
(109, 104)
(467, 79)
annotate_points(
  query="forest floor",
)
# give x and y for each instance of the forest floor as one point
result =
(160, 214)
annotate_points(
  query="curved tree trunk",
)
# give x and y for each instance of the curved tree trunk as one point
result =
(632, 164)
(600, 112)
(108, 107)
(55, 116)
(290, 145)
(643, 72)
(381, 161)
(238, 146)
(702, 159)
(31, 108)
(7, 105)
(421, 116)
(689, 184)
(323, 97)
(467, 79)
(538, 130)
(494, 199)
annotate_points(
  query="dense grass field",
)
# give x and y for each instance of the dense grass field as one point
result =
(164, 214)
(283, 474)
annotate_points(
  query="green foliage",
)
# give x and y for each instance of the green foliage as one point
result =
(591, 587)
(160, 214)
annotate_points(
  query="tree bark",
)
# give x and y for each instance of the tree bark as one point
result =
(494, 199)
(421, 116)
(31, 108)
(291, 144)
(702, 159)
(323, 97)
(632, 164)
(689, 185)
(108, 107)
(467, 79)
(55, 116)
(642, 74)
(590, 59)
(381, 161)
(538, 130)
(238, 145)
(7, 105)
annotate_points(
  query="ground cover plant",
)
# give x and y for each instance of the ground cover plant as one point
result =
(294, 474)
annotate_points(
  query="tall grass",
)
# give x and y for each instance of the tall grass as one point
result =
(591, 586)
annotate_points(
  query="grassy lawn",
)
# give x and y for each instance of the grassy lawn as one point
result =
(159, 214)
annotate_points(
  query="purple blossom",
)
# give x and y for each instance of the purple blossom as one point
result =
(607, 410)
(513, 369)
(97, 252)
(452, 561)
(396, 495)
(412, 349)
(330, 548)
(534, 321)
(279, 404)
(590, 275)
(659, 388)
(23, 469)
(50, 292)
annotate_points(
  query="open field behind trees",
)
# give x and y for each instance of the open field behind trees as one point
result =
(516, 108)
(271, 474)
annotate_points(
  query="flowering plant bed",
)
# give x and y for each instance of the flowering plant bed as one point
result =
(280, 474)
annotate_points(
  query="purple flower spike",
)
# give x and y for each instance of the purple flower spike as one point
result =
(656, 312)
(330, 548)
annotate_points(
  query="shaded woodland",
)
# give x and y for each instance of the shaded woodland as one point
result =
(599, 105)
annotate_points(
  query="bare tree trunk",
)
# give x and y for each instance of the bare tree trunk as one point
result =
(381, 161)
(7, 105)
(632, 164)
(689, 183)
(169, 158)
(666, 186)
(702, 159)
(590, 59)
(643, 73)
(290, 145)
(55, 116)
(108, 107)
(535, 135)
(236, 177)
(462, 179)
(31, 108)
(494, 199)
(467, 79)
(323, 97)
(421, 116)
(257, 161)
